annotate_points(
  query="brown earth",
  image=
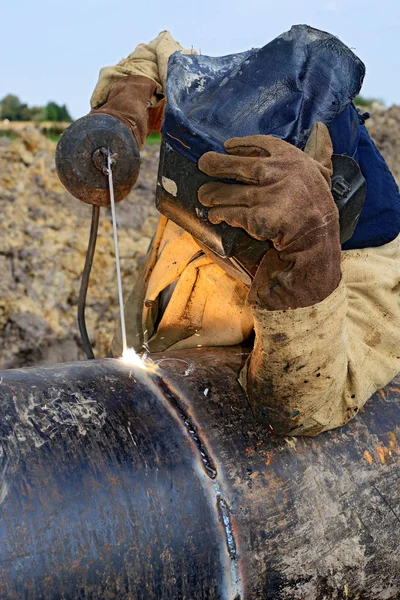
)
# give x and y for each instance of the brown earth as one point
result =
(43, 126)
(44, 239)
(384, 127)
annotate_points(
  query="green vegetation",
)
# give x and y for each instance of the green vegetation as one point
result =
(153, 139)
(13, 109)
(12, 135)
(53, 138)
(366, 102)
(8, 134)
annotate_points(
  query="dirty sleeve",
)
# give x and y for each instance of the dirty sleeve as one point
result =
(149, 60)
(313, 368)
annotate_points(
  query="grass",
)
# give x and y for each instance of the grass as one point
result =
(153, 139)
(12, 135)
(8, 134)
(364, 102)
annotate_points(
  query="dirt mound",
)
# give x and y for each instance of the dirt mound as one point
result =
(384, 127)
(44, 239)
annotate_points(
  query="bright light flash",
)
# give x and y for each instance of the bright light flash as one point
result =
(129, 356)
(132, 358)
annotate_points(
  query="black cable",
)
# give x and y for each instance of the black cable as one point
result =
(87, 346)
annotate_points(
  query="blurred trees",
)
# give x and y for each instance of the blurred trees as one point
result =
(13, 109)
(54, 112)
(364, 102)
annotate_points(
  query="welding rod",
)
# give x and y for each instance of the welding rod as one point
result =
(117, 261)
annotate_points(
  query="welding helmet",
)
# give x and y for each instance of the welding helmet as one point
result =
(301, 77)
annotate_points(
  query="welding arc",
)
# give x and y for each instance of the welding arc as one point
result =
(87, 346)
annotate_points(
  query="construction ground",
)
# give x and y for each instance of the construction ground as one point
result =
(44, 235)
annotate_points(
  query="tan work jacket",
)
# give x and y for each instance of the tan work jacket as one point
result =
(207, 306)
(322, 362)
(339, 351)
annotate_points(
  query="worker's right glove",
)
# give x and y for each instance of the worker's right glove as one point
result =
(129, 100)
(284, 195)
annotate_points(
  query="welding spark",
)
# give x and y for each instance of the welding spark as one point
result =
(133, 359)
(143, 362)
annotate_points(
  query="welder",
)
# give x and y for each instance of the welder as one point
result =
(323, 318)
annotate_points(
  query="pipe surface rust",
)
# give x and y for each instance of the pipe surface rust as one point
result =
(118, 482)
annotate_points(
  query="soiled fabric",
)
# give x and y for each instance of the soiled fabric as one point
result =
(129, 101)
(379, 222)
(311, 368)
(149, 60)
(308, 76)
(303, 76)
(283, 195)
(207, 306)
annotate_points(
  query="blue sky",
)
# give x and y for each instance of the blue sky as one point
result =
(53, 50)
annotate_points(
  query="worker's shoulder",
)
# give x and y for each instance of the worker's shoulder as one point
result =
(372, 266)
(391, 250)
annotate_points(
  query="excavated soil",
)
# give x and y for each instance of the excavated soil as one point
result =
(44, 239)
(384, 127)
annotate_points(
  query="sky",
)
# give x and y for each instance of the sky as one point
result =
(53, 50)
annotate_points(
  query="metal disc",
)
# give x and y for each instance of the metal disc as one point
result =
(77, 155)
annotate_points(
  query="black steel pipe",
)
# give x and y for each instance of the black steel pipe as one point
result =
(118, 483)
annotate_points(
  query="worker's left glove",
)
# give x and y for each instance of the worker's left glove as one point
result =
(283, 195)
(130, 100)
(132, 110)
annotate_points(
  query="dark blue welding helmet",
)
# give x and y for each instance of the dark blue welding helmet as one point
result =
(301, 77)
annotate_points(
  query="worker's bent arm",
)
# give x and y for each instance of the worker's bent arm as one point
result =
(312, 368)
(148, 60)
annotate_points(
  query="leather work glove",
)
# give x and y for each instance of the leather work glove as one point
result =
(283, 195)
(121, 123)
(129, 100)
